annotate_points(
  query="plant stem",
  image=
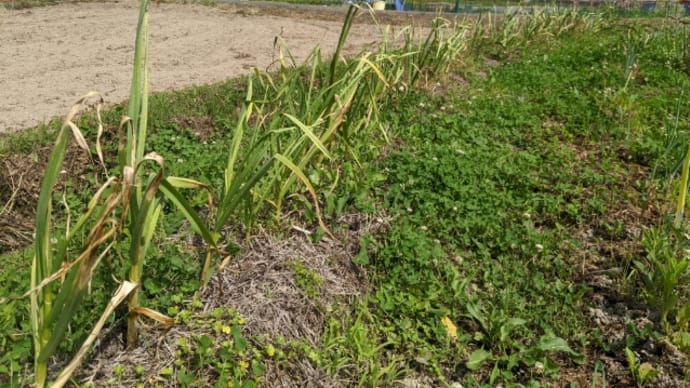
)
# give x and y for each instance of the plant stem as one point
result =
(41, 370)
(136, 141)
(683, 191)
(133, 302)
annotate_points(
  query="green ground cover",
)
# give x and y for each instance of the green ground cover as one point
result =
(526, 195)
(491, 189)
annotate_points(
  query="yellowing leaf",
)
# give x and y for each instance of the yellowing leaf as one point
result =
(451, 330)
(646, 372)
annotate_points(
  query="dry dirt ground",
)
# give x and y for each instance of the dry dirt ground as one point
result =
(52, 55)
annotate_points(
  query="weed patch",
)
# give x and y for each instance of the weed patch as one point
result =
(496, 199)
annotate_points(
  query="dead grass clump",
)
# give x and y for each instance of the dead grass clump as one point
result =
(20, 178)
(201, 127)
(20, 182)
(262, 286)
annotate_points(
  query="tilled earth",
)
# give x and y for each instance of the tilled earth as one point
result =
(52, 55)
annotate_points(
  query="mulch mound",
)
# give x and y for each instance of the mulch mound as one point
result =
(260, 285)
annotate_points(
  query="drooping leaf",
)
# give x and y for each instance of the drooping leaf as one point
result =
(509, 326)
(125, 289)
(310, 134)
(167, 187)
(300, 174)
(477, 359)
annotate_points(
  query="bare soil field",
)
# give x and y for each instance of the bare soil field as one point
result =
(51, 55)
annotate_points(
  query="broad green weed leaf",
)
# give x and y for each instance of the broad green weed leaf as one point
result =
(683, 316)
(362, 258)
(513, 361)
(682, 340)
(509, 326)
(646, 372)
(474, 312)
(477, 358)
(632, 359)
(495, 374)
(554, 344)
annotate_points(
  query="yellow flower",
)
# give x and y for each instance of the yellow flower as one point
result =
(451, 330)
(226, 329)
(244, 364)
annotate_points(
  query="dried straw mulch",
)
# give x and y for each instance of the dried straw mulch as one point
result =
(260, 285)
(20, 184)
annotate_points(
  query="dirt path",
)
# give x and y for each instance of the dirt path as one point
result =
(50, 56)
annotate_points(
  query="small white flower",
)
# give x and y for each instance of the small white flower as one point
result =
(539, 247)
(424, 228)
(409, 210)
(180, 160)
(539, 367)
(527, 215)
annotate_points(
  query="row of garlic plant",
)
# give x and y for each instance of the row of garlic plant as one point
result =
(519, 27)
(289, 124)
(126, 208)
